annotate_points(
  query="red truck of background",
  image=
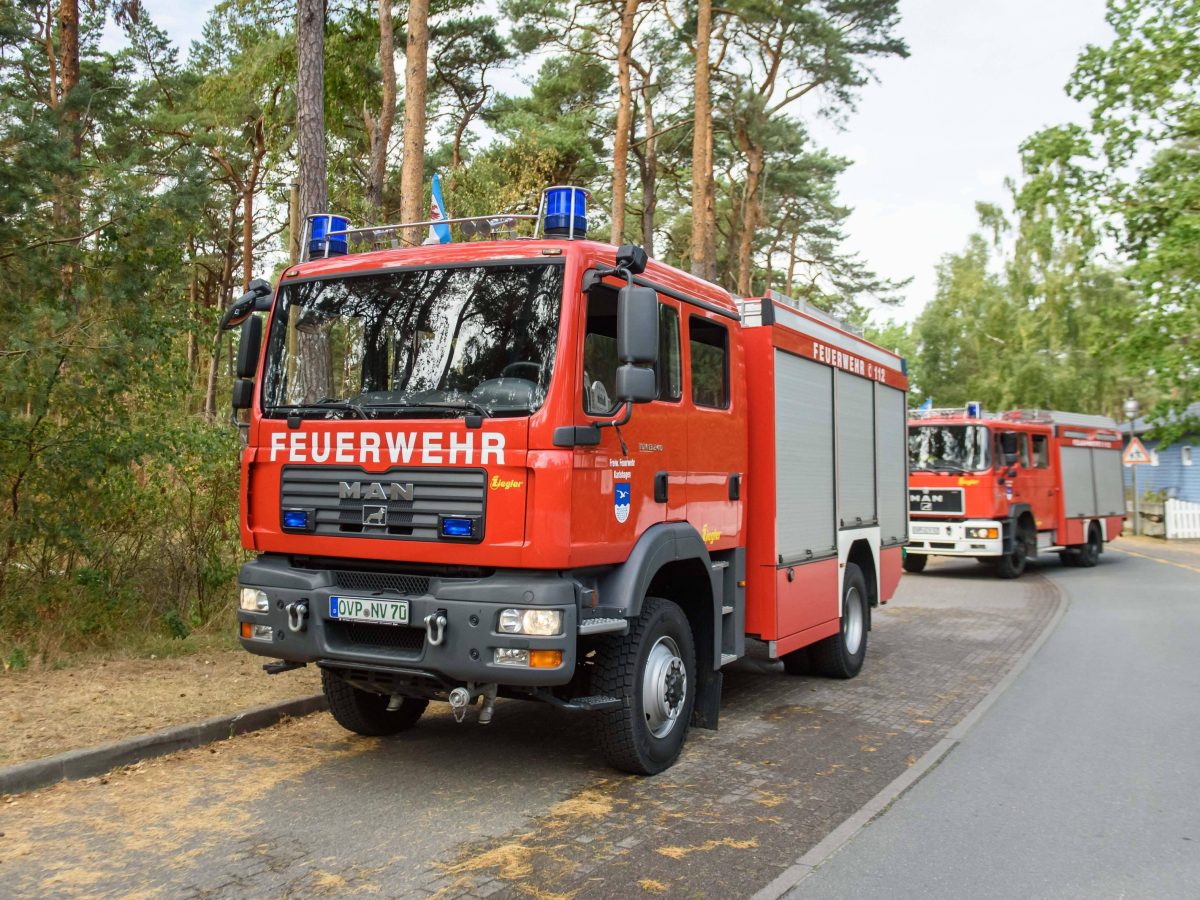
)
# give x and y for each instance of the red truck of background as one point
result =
(551, 469)
(1005, 487)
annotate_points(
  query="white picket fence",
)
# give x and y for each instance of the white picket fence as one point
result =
(1183, 519)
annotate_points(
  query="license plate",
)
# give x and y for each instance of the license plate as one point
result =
(368, 609)
(926, 529)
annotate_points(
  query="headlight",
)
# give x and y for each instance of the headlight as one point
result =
(531, 621)
(990, 533)
(254, 600)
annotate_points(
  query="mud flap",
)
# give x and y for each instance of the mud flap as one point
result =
(707, 708)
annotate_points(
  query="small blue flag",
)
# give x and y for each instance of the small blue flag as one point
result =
(438, 234)
(926, 406)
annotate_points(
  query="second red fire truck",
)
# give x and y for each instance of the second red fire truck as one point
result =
(551, 469)
(1003, 488)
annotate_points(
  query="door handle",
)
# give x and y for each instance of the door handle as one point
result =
(661, 484)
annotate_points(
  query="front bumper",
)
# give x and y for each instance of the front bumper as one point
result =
(933, 537)
(471, 607)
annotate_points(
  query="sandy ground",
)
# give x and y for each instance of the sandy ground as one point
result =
(49, 711)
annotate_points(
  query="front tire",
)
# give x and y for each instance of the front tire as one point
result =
(1012, 564)
(842, 654)
(365, 713)
(653, 670)
(915, 562)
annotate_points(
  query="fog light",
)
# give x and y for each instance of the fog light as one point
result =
(462, 528)
(545, 659)
(544, 622)
(295, 518)
(511, 656)
(254, 600)
(252, 632)
(510, 621)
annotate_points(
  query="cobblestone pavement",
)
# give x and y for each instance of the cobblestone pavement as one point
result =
(524, 807)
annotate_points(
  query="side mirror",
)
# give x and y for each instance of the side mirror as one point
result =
(243, 394)
(1010, 458)
(249, 347)
(256, 299)
(637, 325)
(636, 384)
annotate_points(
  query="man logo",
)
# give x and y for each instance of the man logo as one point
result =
(374, 490)
(375, 515)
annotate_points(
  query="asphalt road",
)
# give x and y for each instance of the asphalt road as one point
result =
(1083, 780)
(525, 807)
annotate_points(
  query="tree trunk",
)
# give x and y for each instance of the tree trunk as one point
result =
(416, 77)
(69, 201)
(791, 275)
(379, 131)
(310, 107)
(314, 351)
(701, 144)
(647, 157)
(624, 120)
(751, 209)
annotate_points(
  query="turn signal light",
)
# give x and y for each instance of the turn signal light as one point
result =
(545, 659)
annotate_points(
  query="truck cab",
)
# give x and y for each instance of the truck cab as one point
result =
(1003, 488)
(520, 467)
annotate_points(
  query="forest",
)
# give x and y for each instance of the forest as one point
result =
(144, 185)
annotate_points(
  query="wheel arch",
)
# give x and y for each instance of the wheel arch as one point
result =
(860, 554)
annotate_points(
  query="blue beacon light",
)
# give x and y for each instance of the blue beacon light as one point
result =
(457, 527)
(319, 243)
(295, 518)
(566, 212)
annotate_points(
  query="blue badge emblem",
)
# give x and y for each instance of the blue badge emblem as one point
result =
(622, 500)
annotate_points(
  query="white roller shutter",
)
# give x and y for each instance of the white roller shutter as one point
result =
(1110, 482)
(891, 469)
(1079, 495)
(855, 417)
(804, 521)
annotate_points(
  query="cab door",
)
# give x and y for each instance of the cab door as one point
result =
(715, 402)
(617, 491)
(1041, 488)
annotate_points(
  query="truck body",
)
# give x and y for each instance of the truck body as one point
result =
(460, 483)
(1003, 488)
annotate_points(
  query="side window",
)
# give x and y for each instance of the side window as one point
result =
(669, 371)
(600, 354)
(1041, 451)
(709, 345)
(1185, 455)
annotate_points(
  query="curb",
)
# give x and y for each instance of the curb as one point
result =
(840, 836)
(90, 761)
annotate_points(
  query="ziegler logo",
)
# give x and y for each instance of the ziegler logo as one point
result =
(504, 484)
(709, 535)
(374, 490)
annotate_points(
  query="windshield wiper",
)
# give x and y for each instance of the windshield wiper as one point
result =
(320, 406)
(466, 406)
(947, 466)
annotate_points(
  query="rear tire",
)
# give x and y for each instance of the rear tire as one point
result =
(1089, 553)
(365, 713)
(653, 670)
(798, 662)
(915, 562)
(842, 654)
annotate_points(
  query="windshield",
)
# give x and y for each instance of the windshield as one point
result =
(948, 448)
(426, 342)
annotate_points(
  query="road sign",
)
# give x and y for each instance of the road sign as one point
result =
(1135, 453)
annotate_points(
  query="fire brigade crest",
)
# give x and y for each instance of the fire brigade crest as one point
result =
(622, 500)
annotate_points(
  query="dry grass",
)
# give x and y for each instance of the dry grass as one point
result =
(681, 852)
(49, 711)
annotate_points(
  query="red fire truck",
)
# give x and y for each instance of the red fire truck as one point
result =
(551, 469)
(1004, 488)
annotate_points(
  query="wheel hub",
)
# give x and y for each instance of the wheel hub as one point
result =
(664, 687)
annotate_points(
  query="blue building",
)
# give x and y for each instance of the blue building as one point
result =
(1174, 470)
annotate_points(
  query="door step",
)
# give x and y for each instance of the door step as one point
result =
(727, 658)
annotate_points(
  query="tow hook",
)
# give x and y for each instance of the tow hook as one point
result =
(489, 703)
(435, 628)
(297, 613)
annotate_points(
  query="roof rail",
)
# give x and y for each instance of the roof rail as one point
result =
(561, 212)
(809, 310)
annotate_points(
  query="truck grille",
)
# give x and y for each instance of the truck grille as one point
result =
(383, 637)
(935, 500)
(377, 504)
(409, 585)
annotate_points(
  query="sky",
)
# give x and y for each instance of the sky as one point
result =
(936, 133)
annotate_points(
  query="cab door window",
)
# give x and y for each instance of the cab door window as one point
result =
(708, 342)
(1041, 451)
(600, 360)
